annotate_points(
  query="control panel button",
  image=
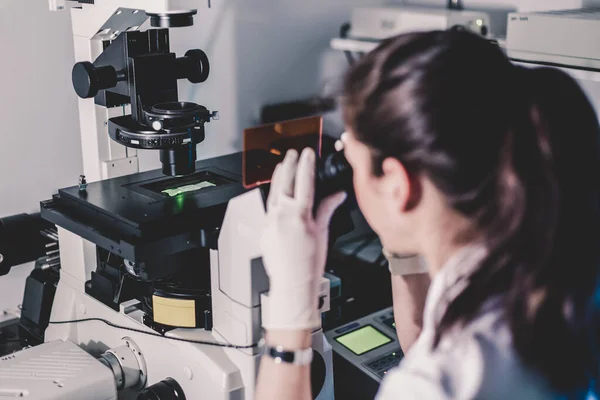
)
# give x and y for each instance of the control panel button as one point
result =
(385, 362)
(389, 322)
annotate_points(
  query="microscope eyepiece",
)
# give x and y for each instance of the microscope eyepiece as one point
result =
(265, 146)
(334, 174)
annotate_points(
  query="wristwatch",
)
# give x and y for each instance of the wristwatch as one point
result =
(404, 264)
(281, 356)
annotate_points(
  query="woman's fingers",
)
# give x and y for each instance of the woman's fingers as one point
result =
(304, 192)
(273, 193)
(328, 207)
(287, 175)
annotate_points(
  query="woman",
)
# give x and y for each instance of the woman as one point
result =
(488, 171)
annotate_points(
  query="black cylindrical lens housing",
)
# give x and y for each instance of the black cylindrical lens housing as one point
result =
(194, 66)
(167, 389)
(334, 174)
(178, 161)
(88, 79)
(172, 20)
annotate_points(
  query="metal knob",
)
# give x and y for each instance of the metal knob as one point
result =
(194, 66)
(82, 183)
(88, 79)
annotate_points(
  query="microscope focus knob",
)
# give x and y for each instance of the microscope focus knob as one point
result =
(194, 66)
(89, 79)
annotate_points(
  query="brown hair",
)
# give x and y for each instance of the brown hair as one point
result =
(517, 151)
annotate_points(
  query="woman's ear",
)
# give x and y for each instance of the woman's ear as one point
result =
(404, 188)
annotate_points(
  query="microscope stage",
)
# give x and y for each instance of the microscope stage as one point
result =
(149, 210)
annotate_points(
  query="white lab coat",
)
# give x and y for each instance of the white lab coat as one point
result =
(476, 361)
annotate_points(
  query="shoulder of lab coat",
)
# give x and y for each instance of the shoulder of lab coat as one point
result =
(473, 361)
(466, 365)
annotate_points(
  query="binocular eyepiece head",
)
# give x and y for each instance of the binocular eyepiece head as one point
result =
(265, 146)
(334, 174)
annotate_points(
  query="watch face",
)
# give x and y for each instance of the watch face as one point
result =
(298, 357)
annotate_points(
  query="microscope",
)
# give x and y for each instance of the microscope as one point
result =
(159, 285)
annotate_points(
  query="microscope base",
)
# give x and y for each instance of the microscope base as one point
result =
(203, 372)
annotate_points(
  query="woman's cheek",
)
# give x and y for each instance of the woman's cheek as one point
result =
(365, 198)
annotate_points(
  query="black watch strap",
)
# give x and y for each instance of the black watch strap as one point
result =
(298, 357)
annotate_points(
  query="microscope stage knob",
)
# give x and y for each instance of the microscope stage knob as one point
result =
(89, 79)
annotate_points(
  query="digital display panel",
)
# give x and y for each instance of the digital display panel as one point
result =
(363, 340)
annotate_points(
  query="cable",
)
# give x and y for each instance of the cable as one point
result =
(216, 344)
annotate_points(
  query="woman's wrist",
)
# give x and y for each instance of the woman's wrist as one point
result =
(290, 340)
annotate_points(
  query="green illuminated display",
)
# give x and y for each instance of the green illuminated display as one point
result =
(363, 340)
(187, 188)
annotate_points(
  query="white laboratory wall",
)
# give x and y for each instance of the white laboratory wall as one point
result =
(39, 142)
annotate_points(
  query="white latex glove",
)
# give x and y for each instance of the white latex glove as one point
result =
(294, 244)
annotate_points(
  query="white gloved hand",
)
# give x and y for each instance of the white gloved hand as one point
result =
(294, 244)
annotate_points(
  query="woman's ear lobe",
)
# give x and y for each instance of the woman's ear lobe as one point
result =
(396, 182)
(416, 191)
(403, 186)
